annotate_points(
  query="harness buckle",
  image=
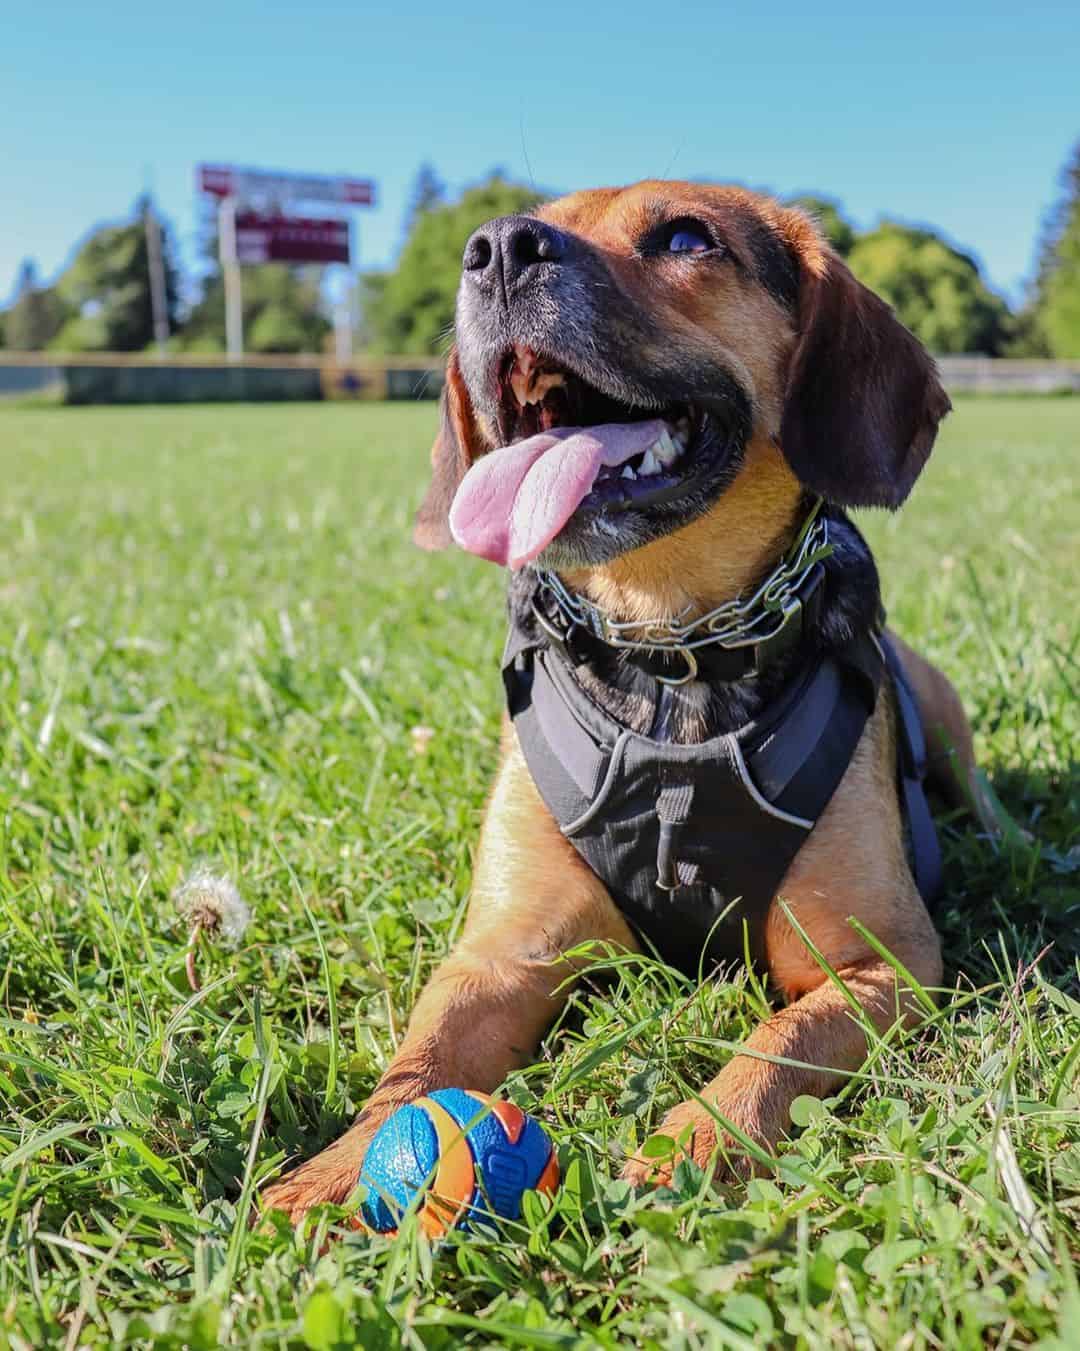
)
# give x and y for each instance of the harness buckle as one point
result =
(561, 639)
(548, 625)
(799, 610)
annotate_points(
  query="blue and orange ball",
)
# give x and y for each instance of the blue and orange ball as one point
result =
(471, 1155)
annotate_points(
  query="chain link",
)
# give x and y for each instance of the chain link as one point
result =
(736, 623)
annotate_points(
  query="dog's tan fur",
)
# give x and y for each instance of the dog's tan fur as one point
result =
(717, 556)
(486, 1007)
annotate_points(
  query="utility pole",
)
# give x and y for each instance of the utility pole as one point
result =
(230, 271)
(159, 305)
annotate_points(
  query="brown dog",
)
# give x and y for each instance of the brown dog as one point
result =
(778, 380)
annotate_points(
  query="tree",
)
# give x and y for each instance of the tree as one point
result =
(282, 309)
(936, 290)
(37, 315)
(1055, 313)
(108, 285)
(428, 192)
(835, 226)
(411, 308)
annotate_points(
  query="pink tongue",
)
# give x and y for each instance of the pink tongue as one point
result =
(513, 502)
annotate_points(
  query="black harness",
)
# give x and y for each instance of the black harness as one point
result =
(694, 841)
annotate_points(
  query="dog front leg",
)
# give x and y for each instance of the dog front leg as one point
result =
(852, 865)
(480, 1017)
(754, 1093)
(487, 1006)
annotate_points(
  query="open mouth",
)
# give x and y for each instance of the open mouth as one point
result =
(537, 394)
(572, 454)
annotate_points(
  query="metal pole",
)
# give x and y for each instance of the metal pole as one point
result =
(354, 282)
(342, 332)
(156, 266)
(343, 310)
(230, 271)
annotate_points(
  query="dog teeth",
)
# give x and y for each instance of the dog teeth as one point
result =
(531, 385)
(665, 449)
(628, 473)
(649, 463)
(519, 383)
(543, 383)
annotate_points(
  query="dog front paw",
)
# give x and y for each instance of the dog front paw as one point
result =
(690, 1131)
(329, 1178)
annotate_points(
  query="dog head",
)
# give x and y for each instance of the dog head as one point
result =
(625, 358)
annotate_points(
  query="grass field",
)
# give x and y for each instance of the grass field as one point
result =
(215, 643)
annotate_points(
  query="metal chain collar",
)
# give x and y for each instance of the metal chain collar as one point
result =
(736, 623)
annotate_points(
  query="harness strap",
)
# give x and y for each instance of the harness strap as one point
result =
(673, 804)
(794, 761)
(925, 845)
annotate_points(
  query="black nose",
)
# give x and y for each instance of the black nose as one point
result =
(510, 251)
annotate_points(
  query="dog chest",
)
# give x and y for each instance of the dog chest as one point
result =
(692, 841)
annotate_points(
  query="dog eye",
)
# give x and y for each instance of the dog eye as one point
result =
(689, 237)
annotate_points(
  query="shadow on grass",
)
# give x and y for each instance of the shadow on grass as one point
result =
(1015, 899)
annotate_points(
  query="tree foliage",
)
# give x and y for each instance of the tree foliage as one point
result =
(936, 290)
(411, 309)
(1055, 316)
(282, 309)
(428, 192)
(37, 315)
(835, 226)
(107, 286)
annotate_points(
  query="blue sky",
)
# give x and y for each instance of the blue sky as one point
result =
(960, 116)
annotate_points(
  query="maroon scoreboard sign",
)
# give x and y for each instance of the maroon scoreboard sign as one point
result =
(257, 224)
(226, 180)
(290, 239)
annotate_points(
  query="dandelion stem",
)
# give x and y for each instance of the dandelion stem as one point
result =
(189, 960)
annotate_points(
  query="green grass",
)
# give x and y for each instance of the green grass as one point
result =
(215, 639)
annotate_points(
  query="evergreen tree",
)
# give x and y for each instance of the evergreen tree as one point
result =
(428, 192)
(37, 315)
(108, 285)
(1055, 313)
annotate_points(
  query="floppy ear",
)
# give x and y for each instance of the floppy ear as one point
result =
(863, 398)
(451, 455)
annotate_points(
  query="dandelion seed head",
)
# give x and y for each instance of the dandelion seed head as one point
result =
(421, 739)
(210, 901)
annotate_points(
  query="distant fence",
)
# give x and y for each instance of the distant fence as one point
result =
(115, 377)
(999, 375)
(125, 378)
